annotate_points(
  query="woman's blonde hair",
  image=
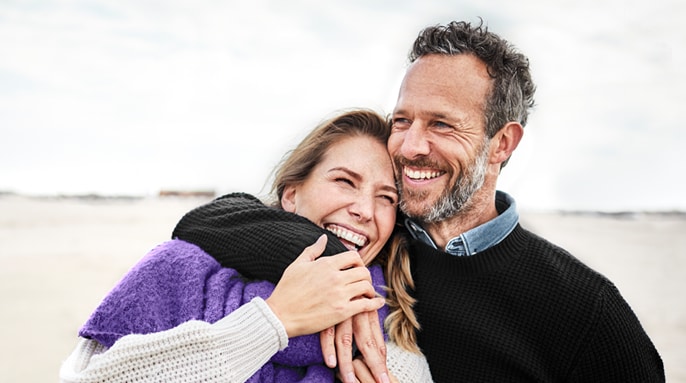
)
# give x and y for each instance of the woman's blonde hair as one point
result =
(298, 163)
(401, 324)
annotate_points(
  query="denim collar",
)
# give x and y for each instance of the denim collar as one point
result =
(479, 238)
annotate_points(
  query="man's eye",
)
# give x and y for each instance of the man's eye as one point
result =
(400, 123)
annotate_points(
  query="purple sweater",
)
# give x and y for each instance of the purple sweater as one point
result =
(176, 282)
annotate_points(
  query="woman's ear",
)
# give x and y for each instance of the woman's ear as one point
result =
(288, 198)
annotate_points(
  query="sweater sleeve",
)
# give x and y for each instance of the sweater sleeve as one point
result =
(230, 350)
(175, 282)
(617, 349)
(242, 233)
(178, 282)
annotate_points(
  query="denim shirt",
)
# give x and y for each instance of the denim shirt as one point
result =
(479, 238)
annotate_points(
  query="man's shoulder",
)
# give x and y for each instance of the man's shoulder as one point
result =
(566, 267)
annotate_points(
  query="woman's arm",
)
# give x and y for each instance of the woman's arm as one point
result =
(230, 350)
(129, 309)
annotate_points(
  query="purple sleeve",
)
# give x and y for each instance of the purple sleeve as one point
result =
(176, 282)
(173, 283)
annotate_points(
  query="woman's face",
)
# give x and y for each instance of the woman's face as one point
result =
(351, 193)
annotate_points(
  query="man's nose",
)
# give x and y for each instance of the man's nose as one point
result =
(415, 142)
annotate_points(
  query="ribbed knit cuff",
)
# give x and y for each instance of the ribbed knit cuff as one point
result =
(261, 336)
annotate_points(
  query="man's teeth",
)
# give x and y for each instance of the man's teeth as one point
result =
(421, 174)
(347, 235)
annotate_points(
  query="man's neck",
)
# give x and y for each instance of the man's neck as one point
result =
(479, 210)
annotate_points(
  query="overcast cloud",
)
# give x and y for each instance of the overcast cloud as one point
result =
(131, 97)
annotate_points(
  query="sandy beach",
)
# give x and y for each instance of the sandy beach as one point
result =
(59, 257)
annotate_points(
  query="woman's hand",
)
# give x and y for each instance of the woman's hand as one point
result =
(364, 375)
(314, 294)
(337, 346)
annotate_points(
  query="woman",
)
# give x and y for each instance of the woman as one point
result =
(179, 288)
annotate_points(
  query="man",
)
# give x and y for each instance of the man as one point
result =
(494, 301)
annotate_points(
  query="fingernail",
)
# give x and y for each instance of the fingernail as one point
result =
(331, 360)
(350, 377)
(384, 378)
(381, 302)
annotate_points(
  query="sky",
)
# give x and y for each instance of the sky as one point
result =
(131, 97)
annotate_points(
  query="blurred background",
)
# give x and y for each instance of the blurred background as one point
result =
(134, 97)
(112, 112)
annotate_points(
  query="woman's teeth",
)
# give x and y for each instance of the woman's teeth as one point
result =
(347, 235)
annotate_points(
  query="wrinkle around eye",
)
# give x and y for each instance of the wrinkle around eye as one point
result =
(400, 123)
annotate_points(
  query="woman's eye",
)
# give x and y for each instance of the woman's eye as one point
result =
(346, 181)
(391, 200)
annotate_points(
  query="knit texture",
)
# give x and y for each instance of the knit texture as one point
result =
(177, 282)
(407, 366)
(230, 350)
(230, 227)
(526, 311)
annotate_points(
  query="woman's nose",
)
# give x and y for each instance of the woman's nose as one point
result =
(363, 209)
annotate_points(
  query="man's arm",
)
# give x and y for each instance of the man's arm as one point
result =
(258, 241)
(617, 349)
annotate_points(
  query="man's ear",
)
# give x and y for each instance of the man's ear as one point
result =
(506, 141)
(288, 198)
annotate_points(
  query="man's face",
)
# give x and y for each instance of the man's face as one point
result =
(438, 142)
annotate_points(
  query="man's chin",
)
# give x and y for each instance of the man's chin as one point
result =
(415, 207)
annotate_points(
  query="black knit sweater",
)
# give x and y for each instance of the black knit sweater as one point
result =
(229, 227)
(526, 311)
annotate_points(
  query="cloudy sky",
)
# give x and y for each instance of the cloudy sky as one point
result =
(131, 97)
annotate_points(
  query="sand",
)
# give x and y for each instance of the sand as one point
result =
(59, 257)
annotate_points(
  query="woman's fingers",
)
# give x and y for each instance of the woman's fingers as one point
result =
(313, 251)
(326, 339)
(344, 350)
(316, 293)
(370, 341)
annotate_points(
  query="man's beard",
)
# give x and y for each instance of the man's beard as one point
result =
(454, 200)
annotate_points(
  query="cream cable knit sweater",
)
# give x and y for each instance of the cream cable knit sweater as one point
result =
(230, 350)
